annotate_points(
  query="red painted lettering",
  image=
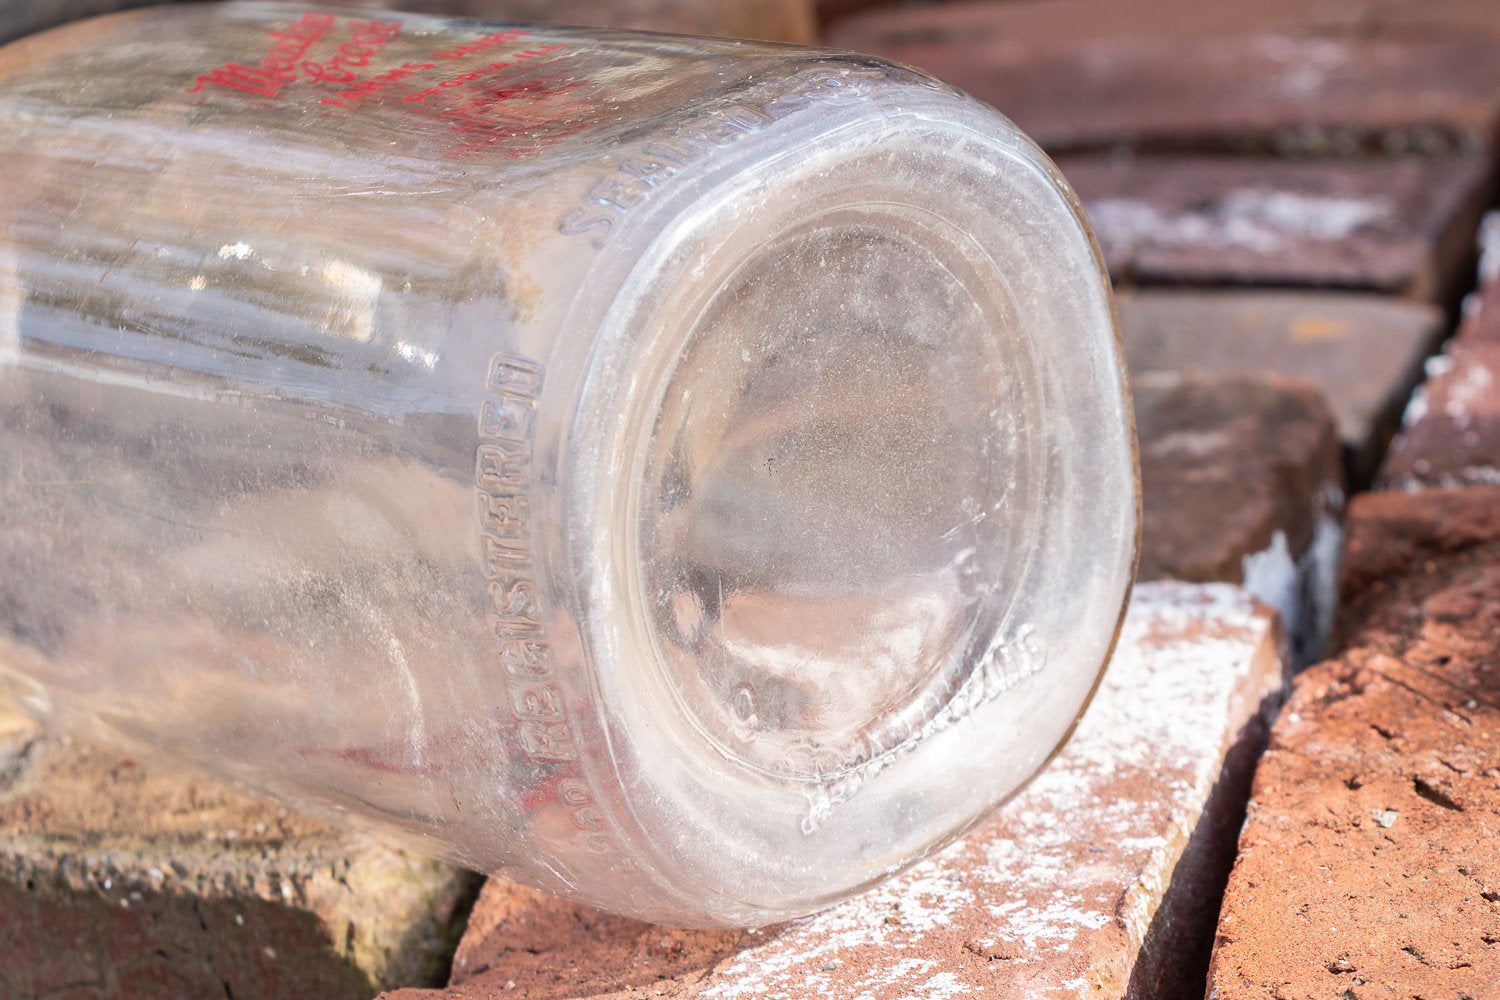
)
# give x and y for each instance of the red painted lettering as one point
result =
(277, 68)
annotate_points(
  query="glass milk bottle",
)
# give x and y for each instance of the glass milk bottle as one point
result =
(692, 477)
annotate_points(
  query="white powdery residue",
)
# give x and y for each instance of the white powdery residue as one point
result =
(944, 985)
(1470, 306)
(1036, 857)
(905, 969)
(1165, 692)
(236, 251)
(1123, 222)
(1256, 219)
(1416, 407)
(1475, 475)
(1306, 216)
(1055, 923)
(1185, 654)
(1272, 576)
(1307, 63)
(920, 901)
(1437, 366)
(1489, 248)
(1167, 604)
(1469, 388)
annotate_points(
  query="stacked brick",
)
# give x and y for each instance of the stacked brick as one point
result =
(1304, 204)
(1371, 821)
(1287, 196)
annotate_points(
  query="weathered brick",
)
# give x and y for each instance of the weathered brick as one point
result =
(1369, 865)
(1364, 352)
(1403, 226)
(120, 878)
(1429, 93)
(1241, 482)
(1450, 434)
(1100, 879)
(871, 26)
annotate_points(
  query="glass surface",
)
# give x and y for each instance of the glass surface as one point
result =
(692, 477)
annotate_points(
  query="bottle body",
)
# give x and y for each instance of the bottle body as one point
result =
(692, 477)
(771, 20)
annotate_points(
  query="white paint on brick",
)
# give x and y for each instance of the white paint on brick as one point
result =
(1074, 855)
(1489, 248)
(1470, 388)
(1304, 588)
(1272, 576)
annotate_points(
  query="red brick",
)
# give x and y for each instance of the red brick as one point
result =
(1100, 878)
(1241, 481)
(1403, 226)
(1451, 431)
(1364, 352)
(1369, 865)
(1428, 93)
(874, 27)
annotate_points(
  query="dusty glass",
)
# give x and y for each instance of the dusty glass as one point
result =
(692, 477)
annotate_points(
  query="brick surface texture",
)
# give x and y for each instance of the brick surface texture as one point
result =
(1403, 226)
(1430, 93)
(1241, 482)
(1369, 865)
(123, 879)
(1286, 193)
(876, 25)
(1451, 433)
(1364, 352)
(1098, 880)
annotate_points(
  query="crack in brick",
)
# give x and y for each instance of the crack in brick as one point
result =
(990, 953)
(1415, 953)
(1435, 795)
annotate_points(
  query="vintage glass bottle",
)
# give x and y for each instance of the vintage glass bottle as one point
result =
(693, 477)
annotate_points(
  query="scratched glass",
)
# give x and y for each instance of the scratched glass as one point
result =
(691, 477)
